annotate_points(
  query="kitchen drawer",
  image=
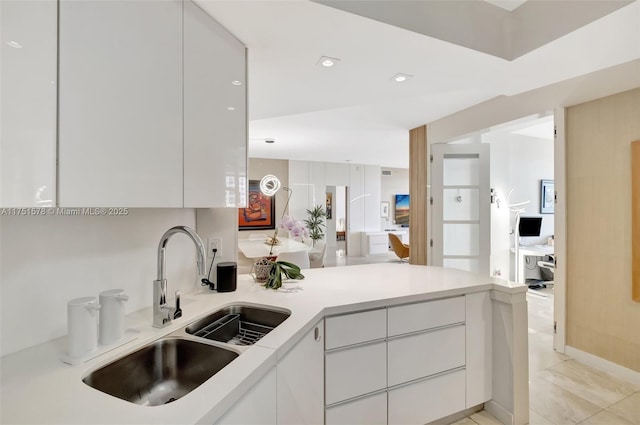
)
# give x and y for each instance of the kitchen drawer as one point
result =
(371, 410)
(355, 371)
(378, 248)
(427, 353)
(428, 400)
(355, 328)
(430, 314)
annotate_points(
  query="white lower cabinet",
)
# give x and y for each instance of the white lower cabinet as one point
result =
(300, 388)
(425, 401)
(257, 406)
(407, 364)
(370, 410)
(354, 371)
(419, 355)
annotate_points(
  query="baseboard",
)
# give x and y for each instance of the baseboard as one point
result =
(604, 365)
(499, 412)
(457, 416)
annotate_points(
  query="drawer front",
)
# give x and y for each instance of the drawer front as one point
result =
(355, 328)
(430, 314)
(379, 248)
(370, 410)
(426, 401)
(378, 239)
(355, 371)
(419, 355)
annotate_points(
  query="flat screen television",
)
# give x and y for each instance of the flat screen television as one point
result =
(529, 226)
(402, 210)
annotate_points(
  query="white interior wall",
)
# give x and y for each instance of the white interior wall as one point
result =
(309, 181)
(518, 163)
(500, 257)
(396, 183)
(48, 260)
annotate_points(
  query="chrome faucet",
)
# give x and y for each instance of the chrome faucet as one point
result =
(162, 313)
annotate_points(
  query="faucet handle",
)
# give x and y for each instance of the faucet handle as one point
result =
(178, 312)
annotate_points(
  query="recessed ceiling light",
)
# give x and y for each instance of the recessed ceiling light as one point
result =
(14, 44)
(400, 77)
(230, 108)
(327, 61)
(236, 83)
(269, 141)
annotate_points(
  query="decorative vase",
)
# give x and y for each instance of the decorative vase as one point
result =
(260, 269)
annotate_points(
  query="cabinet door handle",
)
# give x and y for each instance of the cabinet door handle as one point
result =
(316, 334)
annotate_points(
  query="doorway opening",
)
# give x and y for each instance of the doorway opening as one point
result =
(337, 233)
(525, 159)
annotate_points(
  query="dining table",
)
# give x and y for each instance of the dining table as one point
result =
(261, 248)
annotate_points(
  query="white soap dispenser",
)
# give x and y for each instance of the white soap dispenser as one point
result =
(112, 315)
(82, 326)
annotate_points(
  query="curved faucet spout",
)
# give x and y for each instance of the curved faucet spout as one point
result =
(162, 313)
(196, 240)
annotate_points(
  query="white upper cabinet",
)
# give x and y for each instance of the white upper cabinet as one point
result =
(120, 103)
(152, 106)
(215, 113)
(28, 109)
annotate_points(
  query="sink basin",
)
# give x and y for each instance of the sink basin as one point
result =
(238, 324)
(161, 372)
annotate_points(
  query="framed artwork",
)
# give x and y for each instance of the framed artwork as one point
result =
(546, 196)
(402, 210)
(260, 211)
(329, 205)
(384, 209)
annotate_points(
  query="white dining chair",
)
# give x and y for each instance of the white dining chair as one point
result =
(299, 258)
(318, 254)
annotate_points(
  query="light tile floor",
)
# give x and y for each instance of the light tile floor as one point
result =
(561, 390)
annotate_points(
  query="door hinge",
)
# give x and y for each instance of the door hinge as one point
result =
(430, 158)
(555, 327)
(431, 243)
(555, 131)
(431, 200)
(555, 196)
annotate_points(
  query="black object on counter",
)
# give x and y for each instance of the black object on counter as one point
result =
(226, 276)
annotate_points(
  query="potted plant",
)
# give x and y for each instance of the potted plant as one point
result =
(271, 272)
(278, 270)
(315, 223)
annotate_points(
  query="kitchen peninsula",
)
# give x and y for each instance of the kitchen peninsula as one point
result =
(355, 344)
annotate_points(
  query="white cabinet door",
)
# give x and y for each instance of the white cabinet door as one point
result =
(371, 410)
(257, 407)
(425, 401)
(120, 103)
(215, 113)
(423, 354)
(426, 315)
(354, 328)
(301, 381)
(28, 70)
(355, 371)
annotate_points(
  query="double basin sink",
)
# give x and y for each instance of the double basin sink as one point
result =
(171, 367)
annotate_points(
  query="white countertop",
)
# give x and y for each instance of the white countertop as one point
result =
(36, 387)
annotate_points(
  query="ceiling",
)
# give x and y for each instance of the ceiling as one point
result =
(353, 111)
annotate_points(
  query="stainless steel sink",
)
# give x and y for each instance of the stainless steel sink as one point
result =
(161, 372)
(238, 324)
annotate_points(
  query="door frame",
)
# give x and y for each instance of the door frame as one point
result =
(560, 231)
(482, 150)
